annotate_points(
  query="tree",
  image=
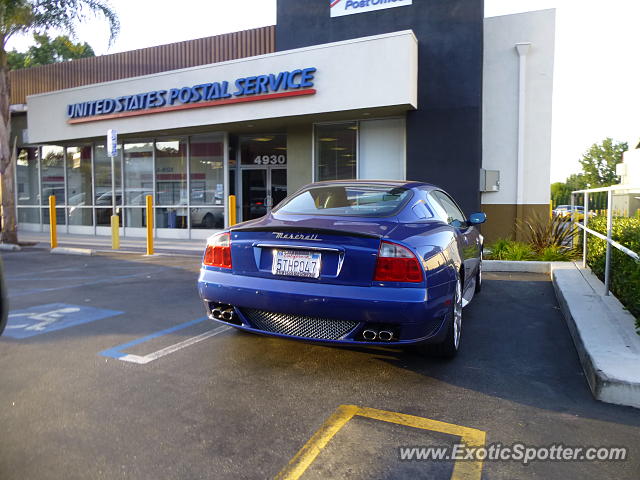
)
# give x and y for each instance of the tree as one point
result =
(599, 163)
(40, 16)
(47, 50)
(561, 191)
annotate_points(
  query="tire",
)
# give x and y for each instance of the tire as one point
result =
(479, 276)
(449, 347)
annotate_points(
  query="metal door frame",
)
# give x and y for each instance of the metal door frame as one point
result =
(240, 167)
(268, 186)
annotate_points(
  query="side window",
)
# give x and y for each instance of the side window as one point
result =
(421, 210)
(449, 210)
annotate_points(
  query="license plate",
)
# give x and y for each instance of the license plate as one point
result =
(296, 263)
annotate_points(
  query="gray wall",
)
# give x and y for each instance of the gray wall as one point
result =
(444, 135)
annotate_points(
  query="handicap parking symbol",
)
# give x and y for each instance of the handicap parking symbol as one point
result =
(53, 316)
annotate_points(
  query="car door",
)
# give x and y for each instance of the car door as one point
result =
(469, 237)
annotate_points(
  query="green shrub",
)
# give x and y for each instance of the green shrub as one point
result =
(499, 248)
(556, 254)
(544, 232)
(510, 250)
(625, 272)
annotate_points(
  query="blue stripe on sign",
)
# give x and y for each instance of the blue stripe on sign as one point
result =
(116, 352)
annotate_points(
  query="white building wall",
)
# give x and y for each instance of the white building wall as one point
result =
(629, 170)
(501, 100)
(382, 149)
(369, 72)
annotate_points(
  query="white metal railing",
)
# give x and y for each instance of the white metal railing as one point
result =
(585, 228)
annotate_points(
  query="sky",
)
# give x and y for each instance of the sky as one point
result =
(596, 93)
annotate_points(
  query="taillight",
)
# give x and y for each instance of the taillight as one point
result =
(397, 264)
(218, 252)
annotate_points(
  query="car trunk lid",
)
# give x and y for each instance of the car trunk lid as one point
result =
(347, 249)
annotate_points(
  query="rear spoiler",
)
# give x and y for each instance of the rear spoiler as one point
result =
(306, 230)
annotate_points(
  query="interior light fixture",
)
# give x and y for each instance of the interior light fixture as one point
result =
(338, 149)
(262, 139)
(328, 139)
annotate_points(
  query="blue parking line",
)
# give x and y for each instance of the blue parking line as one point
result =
(117, 352)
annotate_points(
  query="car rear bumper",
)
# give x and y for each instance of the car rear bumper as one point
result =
(415, 315)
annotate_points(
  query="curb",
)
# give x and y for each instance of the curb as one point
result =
(71, 251)
(603, 333)
(10, 247)
(520, 266)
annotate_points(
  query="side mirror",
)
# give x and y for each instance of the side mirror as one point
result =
(477, 218)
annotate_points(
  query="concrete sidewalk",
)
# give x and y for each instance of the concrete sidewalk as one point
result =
(604, 333)
(103, 243)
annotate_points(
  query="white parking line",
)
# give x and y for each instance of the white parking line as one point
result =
(143, 360)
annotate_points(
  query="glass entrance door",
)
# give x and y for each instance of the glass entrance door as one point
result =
(263, 174)
(262, 189)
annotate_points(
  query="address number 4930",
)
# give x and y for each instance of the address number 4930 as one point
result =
(270, 160)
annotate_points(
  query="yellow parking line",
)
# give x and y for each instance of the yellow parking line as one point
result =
(308, 453)
(466, 470)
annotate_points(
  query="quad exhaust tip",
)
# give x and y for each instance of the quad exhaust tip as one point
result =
(385, 335)
(370, 335)
(382, 335)
(223, 312)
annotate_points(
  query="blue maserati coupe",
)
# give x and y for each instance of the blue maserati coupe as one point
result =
(355, 262)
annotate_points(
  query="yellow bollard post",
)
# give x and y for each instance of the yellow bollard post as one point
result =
(115, 232)
(232, 210)
(550, 208)
(53, 227)
(149, 225)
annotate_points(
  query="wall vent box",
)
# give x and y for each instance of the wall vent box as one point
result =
(489, 180)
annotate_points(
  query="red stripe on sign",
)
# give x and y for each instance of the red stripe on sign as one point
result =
(334, 4)
(189, 106)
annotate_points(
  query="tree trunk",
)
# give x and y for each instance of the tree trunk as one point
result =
(9, 232)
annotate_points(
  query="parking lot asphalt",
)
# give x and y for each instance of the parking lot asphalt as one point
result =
(108, 370)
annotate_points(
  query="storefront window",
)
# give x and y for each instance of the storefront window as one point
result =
(80, 216)
(335, 151)
(171, 183)
(102, 172)
(28, 215)
(207, 181)
(27, 175)
(61, 218)
(171, 172)
(138, 172)
(135, 217)
(52, 170)
(79, 188)
(103, 186)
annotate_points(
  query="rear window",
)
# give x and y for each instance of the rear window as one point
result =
(347, 200)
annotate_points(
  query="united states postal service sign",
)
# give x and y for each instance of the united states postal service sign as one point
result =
(340, 8)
